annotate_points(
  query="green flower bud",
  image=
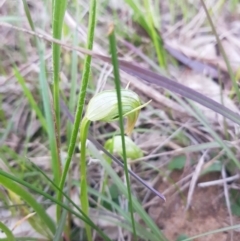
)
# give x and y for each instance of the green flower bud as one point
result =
(114, 145)
(104, 107)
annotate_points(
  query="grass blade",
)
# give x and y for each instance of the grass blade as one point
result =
(113, 50)
(147, 22)
(7, 232)
(27, 12)
(73, 94)
(70, 201)
(12, 178)
(30, 98)
(155, 38)
(61, 226)
(81, 99)
(141, 230)
(225, 229)
(9, 184)
(59, 7)
(56, 165)
(230, 71)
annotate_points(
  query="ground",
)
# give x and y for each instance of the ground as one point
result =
(207, 212)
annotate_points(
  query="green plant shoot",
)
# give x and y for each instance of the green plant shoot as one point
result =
(103, 107)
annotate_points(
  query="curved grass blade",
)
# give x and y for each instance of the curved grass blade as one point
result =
(12, 178)
(9, 184)
(67, 198)
(180, 89)
(8, 232)
(56, 163)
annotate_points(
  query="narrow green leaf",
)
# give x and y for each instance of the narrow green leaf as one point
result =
(59, 7)
(26, 196)
(54, 200)
(71, 202)
(113, 49)
(7, 232)
(56, 164)
(74, 88)
(30, 98)
(82, 94)
(61, 226)
(204, 121)
(142, 231)
(158, 44)
(223, 52)
(220, 230)
(27, 12)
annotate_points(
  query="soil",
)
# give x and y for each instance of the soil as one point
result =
(207, 212)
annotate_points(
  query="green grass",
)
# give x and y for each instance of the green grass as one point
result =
(8, 232)
(58, 11)
(113, 50)
(79, 112)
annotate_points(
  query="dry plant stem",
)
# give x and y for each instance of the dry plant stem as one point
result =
(228, 203)
(219, 182)
(175, 133)
(194, 179)
(148, 76)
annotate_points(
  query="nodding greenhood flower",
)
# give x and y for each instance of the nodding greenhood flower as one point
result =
(104, 107)
(114, 145)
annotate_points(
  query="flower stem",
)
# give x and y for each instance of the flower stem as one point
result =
(83, 173)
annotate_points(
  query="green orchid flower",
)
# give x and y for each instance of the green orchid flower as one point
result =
(104, 107)
(114, 145)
